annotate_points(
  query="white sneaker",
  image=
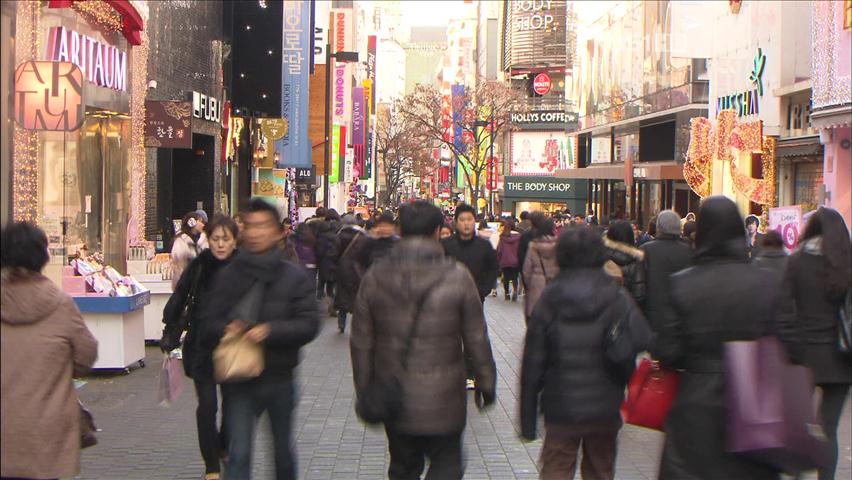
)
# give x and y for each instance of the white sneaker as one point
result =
(470, 385)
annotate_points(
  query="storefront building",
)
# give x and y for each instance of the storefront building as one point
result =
(542, 194)
(78, 170)
(832, 99)
(633, 128)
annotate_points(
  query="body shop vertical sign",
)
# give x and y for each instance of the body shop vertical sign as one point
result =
(294, 148)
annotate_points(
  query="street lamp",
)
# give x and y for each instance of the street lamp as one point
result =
(344, 57)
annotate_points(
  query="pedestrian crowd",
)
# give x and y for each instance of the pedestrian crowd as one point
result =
(608, 307)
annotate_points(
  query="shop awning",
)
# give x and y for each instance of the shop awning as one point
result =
(832, 117)
(799, 147)
(594, 172)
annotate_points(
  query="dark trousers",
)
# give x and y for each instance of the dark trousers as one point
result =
(246, 402)
(408, 454)
(325, 287)
(559, 453)
(211, 441)
(341, 320)
(833, 398)
(510, 275)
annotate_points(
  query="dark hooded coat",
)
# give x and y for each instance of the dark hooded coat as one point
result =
(721, 298)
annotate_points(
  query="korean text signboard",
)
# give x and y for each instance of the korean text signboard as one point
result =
(168, 124)
(294, 148)
(788, 222)
(49, 96)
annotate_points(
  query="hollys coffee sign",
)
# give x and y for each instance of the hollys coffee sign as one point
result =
(544, 120)
(101, 64)
(542, 83)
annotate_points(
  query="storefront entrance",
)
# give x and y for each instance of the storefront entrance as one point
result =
(84, 192)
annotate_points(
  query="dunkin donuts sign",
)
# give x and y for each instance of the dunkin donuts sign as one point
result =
(101, 64)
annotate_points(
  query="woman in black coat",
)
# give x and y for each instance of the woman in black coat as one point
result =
(564, 361)
(621, 249)
(815, 285)
(722, 298)
(193, 287)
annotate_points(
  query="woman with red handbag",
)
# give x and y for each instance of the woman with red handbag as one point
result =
(722, 298)
(575, 366)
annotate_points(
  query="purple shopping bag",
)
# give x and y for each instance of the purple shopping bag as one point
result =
(771, 413)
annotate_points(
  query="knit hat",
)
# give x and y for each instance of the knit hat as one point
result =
(203, 215)
(668, 223)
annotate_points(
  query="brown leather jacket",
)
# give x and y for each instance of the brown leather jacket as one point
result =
(434, 397)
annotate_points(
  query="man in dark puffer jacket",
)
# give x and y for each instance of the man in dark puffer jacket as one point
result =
(564, 361)
(272, 301)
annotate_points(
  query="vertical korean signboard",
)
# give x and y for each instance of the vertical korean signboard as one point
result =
(342, 41)
(294, 148)
(370, 98)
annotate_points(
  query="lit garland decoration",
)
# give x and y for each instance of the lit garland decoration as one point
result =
(829, 89)
(99, 12)
(733, 143)
(25, 174)
(136, 222)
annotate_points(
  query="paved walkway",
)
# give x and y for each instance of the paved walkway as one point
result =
(143, 441)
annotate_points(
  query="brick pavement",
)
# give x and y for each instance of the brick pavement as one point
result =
(141, 440)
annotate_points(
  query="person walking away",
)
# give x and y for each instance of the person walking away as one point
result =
(305, 244)
(665, 255)
(623, 252)
(189, 242)
(721, 298)
(193, 290)
(772, 254)
(564, 361)
(752, 223)
(326, 263)
(540, 266)
(688, 234)
(347, 272)
(380, 240)
(288, 243)
(525, 223)
(650, 233)
(816, 283)
(43, 344)
(507, 258)
(417, 293)
(271, 301)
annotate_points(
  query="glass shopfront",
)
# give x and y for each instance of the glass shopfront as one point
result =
(84, 175)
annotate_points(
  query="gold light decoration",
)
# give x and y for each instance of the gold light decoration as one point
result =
(746, 140)
(25, 153)
(699, 157)
(139, 86)
(99, 12)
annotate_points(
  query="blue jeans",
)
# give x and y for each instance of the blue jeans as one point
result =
(246, 402)
(341, 320)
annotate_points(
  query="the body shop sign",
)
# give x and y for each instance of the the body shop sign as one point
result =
(101, 64)
(548, 187)
(532, 15)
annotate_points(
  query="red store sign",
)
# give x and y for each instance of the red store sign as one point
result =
(541, 83)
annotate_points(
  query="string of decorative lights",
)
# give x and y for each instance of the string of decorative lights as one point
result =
(99, 12)
(25, 154)
(828, 88)
(137, 141)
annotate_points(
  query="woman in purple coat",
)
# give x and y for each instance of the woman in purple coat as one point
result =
(507, 257)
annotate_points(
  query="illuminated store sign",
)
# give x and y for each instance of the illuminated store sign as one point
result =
(532, 15)
(102, 64)
(49, 96)
(748, 102)
(206, 107)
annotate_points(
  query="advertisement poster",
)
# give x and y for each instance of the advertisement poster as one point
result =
(788, 222)
(266, 186)
(539, 153)
(295, 147)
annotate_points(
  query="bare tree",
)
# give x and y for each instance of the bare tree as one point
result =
(403, 151)
(479, 116)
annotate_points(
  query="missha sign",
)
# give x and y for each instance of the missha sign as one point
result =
(101, 64)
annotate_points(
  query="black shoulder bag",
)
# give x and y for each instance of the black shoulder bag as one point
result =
(171, 337)
(619, 348)
(381, 401)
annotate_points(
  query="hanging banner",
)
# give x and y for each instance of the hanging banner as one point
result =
(371, 71)
(368, 147)
(788, 222)
(359, 131)
(295, 148)
(334, 174)
(322, 8)
(341, 154)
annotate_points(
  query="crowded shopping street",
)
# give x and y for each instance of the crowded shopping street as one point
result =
(425, 239)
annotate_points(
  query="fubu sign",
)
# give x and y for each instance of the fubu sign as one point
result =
(103, 65)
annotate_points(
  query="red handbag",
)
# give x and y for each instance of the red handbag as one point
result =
(650, 394)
